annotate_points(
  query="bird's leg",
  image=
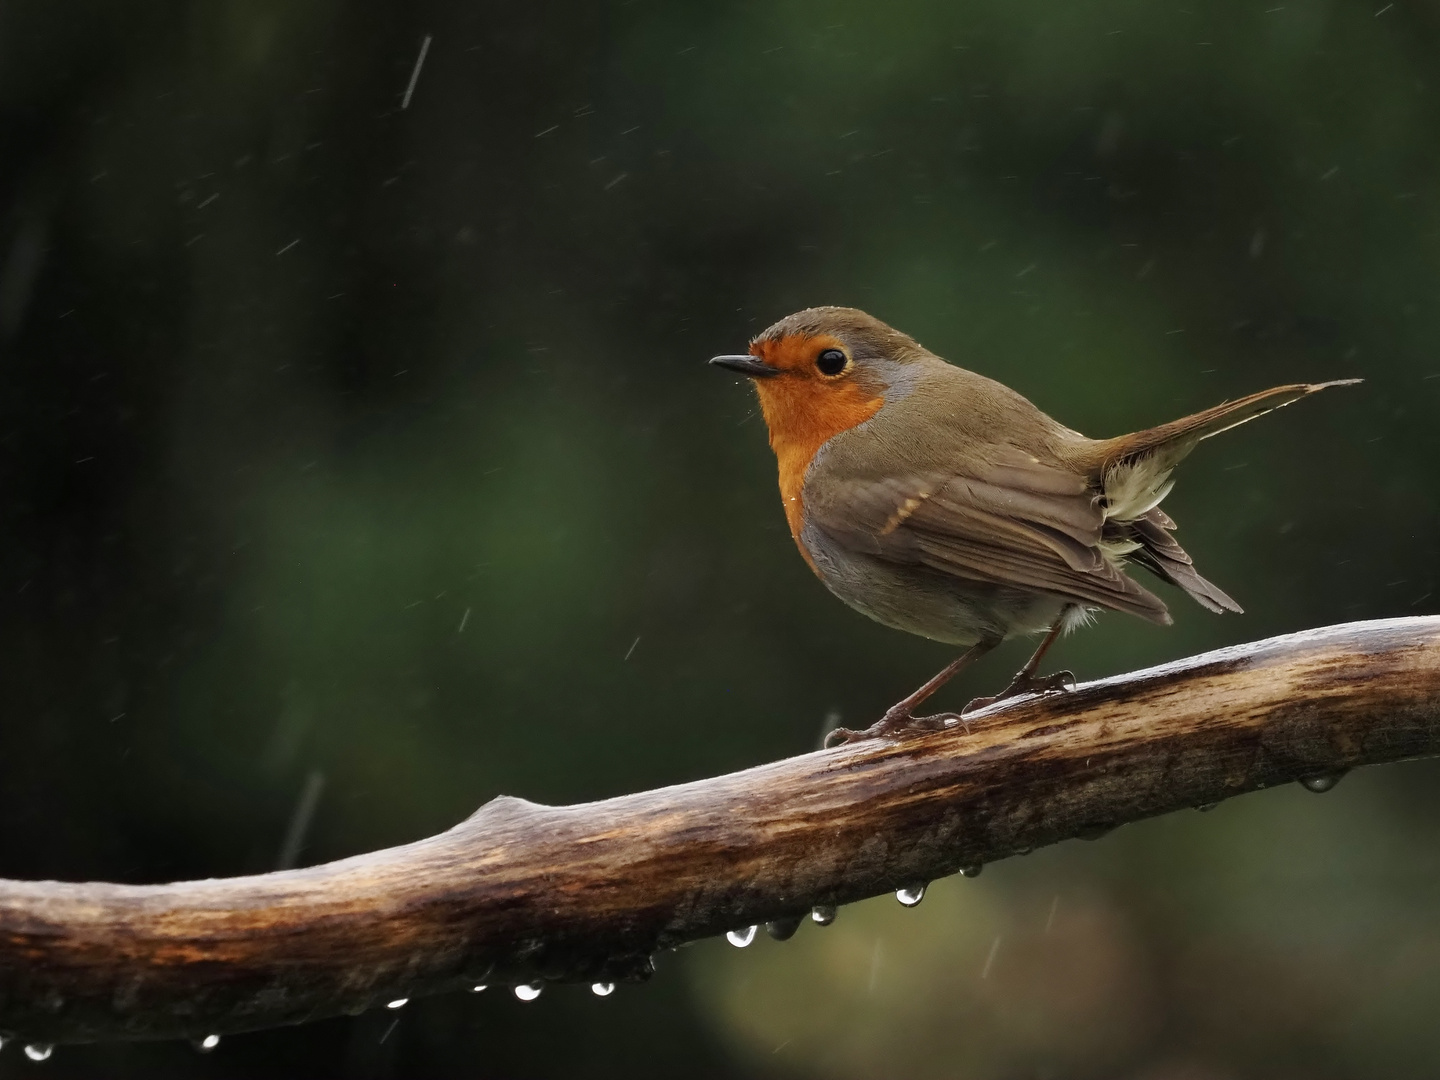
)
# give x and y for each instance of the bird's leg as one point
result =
(1025, 681)
(901, 718)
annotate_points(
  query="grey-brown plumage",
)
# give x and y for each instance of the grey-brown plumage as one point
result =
(960, 475)
(943, 503)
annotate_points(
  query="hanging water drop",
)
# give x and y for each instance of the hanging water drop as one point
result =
(602, 989)
(1322, 783)
(742, 937)
(783, 929)
(528, 991)
(973, 870)
(823, 914)
(479, 988)
(39, 1051)
(398, 1003)
(910, 895)
(208, 1043)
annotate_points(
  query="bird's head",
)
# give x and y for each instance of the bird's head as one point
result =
(825, 370)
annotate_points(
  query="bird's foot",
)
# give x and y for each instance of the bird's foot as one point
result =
(897, 723)
(1025, 684)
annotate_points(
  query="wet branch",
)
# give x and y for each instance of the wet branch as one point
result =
(521, 892)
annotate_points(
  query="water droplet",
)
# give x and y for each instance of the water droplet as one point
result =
(602, 989)
(973, 870)
(1322, 783)
(398, 1003)
(528, 991)
(911, 895)
(1206, 807)
(783, 929)
(742, 937)
(478, 988)
(823, 914)
(208, 1043)
(39, 1051)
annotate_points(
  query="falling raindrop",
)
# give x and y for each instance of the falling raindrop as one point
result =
(39, 1051)
(528, 991)
(783, 929)
(602, 989)
(208, 1043)
(823, 914)
(398, 1003)
(478, 988)
(973, 870)
(911, 895)
(1322, 783)
(742, 937)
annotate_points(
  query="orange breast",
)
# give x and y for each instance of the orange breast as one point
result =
(803, 411)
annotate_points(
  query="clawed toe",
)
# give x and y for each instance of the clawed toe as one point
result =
(898, 723)
(840, 736)
(978, 703)
(938, 722)
(896, 726)
(1061, 681)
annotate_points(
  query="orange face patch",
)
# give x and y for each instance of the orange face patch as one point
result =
(804, 410)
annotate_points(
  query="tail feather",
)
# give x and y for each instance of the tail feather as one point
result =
(1133, 472)
(1179, 437)
(1162, 556)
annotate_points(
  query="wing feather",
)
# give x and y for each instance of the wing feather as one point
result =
(1008, 520)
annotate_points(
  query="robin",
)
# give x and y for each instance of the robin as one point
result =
(940, 502)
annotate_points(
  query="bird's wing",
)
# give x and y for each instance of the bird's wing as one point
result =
(1008, 520)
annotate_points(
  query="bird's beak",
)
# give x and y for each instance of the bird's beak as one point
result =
(745, 365)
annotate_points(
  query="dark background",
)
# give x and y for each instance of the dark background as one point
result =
(371, 449)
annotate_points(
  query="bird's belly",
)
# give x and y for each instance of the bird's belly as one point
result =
(926, 602)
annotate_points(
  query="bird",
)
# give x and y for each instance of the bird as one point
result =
(940, 502)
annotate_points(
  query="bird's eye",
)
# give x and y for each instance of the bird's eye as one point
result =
(831, 362)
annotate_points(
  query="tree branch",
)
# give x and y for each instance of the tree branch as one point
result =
(521, 892)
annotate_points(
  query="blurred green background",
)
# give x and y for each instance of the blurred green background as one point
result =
(369, 451)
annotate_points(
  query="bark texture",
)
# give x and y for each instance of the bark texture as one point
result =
(520, 892)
